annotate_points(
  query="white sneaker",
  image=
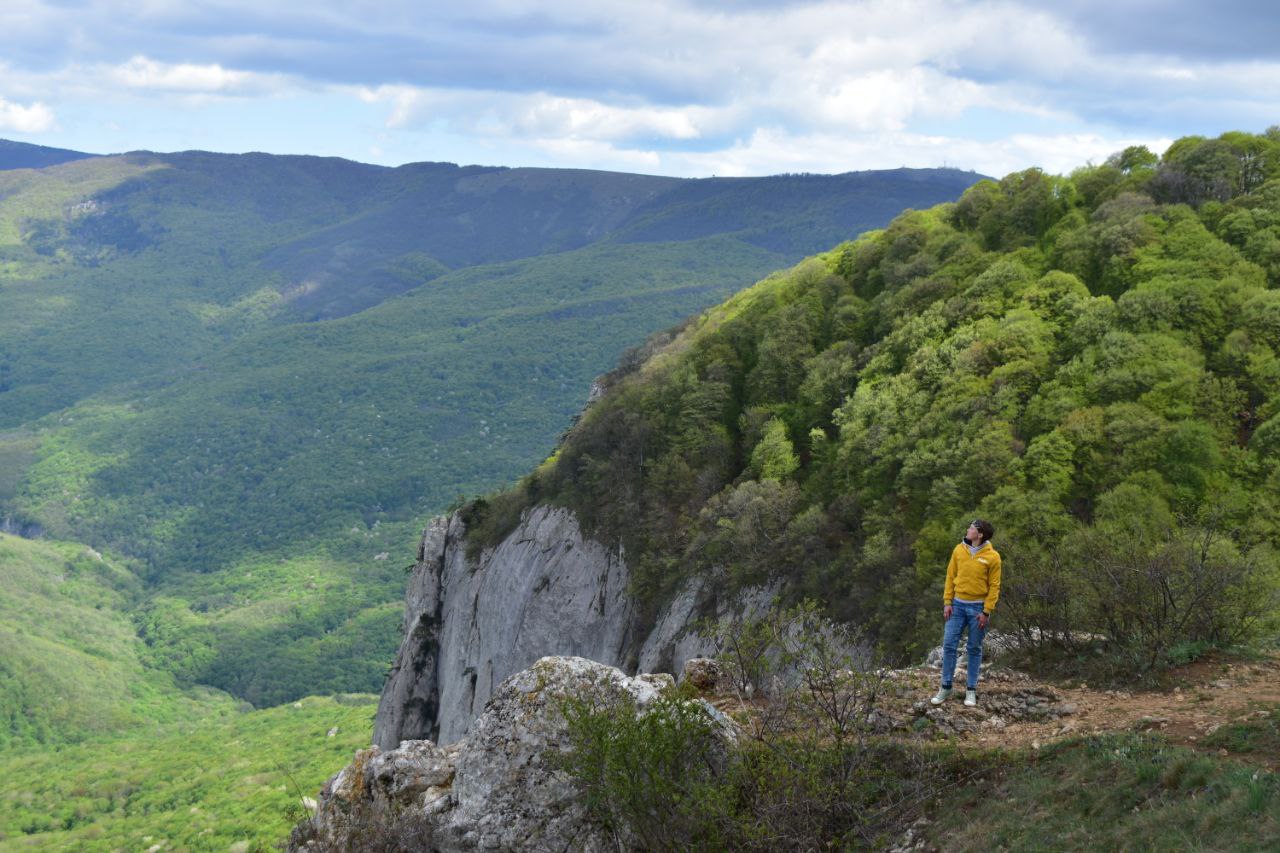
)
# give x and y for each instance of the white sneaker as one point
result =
(943, 694)
(971, 698)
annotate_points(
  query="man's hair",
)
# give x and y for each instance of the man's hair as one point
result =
(985, 528)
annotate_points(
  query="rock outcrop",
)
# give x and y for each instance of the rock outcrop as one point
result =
(544, 590)
(501, 788)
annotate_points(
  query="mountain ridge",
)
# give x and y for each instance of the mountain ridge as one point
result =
(26, 155)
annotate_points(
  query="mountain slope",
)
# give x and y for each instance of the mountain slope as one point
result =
(1083, 360)
(229, 778)
(24, 155)
(73, 665)
(122, 266)
(253, 376)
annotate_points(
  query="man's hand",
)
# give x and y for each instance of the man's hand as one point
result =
(946, 611)
(983, 619)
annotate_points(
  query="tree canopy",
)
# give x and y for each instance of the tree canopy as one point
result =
(1073, 357)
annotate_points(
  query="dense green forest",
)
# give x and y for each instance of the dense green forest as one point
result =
(235, 776)
(102, 747)
(1090, 361)
(250, 379)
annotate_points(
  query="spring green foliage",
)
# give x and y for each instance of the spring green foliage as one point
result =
(1113, 792)
(230, 777)
(650, 779)
(73, 666)
(101, 746)
(1161, 593)
(1088, 360)
(250, 376)
(271, 630)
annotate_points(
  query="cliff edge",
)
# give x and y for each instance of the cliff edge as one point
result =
(547, 589)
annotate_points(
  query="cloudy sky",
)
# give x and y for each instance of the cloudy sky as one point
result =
(678, 87)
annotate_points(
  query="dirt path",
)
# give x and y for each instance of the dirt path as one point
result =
(1208, 694)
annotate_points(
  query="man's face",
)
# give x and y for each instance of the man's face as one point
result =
(973, 534)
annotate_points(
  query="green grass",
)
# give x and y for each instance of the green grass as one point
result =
(1113, 792)
(1256, 737)
(200, 785)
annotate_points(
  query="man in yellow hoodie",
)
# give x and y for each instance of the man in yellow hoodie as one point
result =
(968, 599)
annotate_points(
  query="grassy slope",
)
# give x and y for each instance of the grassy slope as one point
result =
(73, 666)
(1118, 791)
(202, 785)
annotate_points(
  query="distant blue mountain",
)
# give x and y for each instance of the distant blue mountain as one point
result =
(23, 155)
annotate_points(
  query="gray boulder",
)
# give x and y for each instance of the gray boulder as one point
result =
(500, 788)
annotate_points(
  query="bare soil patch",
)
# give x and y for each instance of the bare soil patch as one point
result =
(1199, 698)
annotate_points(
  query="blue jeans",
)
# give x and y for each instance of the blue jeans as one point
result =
(962, 616)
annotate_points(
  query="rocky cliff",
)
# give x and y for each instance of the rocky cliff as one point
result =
(544, 590)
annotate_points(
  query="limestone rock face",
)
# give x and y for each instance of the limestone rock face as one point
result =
(498, 789)
(510, 793)
(544, 590)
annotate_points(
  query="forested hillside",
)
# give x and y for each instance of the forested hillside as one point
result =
(250, 379)
(1089, 361)
(73, 666)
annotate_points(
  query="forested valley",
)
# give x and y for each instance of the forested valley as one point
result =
(233, 388)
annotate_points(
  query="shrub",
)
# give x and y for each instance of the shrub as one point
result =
(1130, 599)
(811, 772)
(652, 778)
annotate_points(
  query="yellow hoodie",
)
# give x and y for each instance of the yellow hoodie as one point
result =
(973, 577)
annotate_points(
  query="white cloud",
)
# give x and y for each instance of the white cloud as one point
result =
(885, 99)
(682, 86)
(707, 74)
(776, 150)
(143, 73)
(593, 154)
(578, 118)
(33, 118)
(540, 115)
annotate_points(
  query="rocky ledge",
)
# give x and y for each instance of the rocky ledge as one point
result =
(500, 788)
